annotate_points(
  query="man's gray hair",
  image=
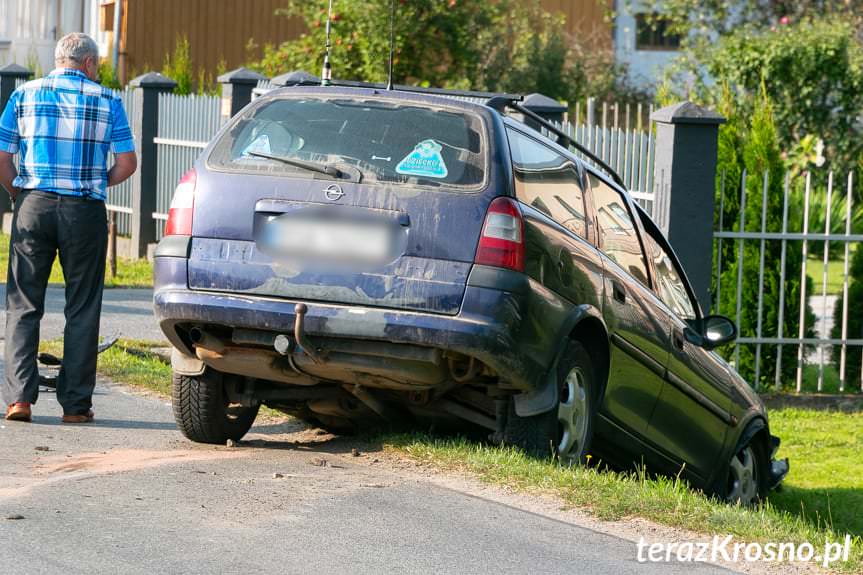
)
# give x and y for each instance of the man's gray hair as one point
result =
(75, 48)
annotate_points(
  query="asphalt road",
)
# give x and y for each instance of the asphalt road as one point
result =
(129, 495)
(127, 313)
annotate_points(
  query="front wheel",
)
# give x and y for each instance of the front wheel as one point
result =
(745, 482)
(565, 432)
(203, 410)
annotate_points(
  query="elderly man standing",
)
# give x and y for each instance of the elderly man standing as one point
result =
(62, 126)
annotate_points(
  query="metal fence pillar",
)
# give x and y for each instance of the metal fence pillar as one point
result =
(685, 175)
(237, 86)
(9, 76)
(548, 108)
(145, 126)
(295, 78)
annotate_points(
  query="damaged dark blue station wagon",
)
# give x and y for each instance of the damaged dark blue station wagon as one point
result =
(352, 255)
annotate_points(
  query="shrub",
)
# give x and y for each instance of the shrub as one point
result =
(178, 66)
(855, 323)
(107, 77)
(755, 147)
(812, 71)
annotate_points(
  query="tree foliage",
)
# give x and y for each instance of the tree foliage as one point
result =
(813, 74)
(508, 45)
(809, 59)
(699, 21)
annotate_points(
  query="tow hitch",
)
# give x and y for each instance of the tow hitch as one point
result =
(285, 347)
(317, 354)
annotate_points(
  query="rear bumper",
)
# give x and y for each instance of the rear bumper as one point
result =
(488, 326)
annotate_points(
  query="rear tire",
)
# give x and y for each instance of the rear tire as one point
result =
(565, 432)
(203, 412)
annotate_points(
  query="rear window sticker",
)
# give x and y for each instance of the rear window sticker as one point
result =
(425, 160)
(261, 145)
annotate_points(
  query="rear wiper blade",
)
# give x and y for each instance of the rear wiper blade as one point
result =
(311, 166)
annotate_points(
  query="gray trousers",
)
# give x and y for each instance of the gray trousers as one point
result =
(43, 225)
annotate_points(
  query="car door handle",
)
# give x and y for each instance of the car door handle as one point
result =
(677, 339)
(617, 291)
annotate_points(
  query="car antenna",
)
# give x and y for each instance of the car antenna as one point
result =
(392, 43)
(327, 71)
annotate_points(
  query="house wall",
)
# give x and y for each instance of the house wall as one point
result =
(585, 19)
(216, 30)
(645, 67)
(29, 29)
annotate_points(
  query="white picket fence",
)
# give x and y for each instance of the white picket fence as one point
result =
(120, 196)
(186, 125)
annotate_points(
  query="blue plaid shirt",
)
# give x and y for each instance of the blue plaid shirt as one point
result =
(63, 125)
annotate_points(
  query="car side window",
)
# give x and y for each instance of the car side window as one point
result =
(670, 285)
(617, 230)
(548, 182)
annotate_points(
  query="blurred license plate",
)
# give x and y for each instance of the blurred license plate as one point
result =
(330, 239)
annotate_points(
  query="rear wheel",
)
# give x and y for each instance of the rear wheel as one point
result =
(565, 432)
(203, 410)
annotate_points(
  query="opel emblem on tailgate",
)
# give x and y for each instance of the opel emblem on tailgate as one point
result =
(334, 192)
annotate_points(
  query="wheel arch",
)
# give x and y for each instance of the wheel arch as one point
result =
(592, 334)
(752, 428)
(586, 326)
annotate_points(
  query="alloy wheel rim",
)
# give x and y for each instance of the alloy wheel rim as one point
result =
(572, 417)
(744, 486)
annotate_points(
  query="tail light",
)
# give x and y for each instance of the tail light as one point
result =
(502, 242)
(182, 207)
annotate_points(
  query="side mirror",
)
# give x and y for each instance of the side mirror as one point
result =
(716, 330)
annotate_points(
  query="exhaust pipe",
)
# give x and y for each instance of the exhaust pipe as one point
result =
(204, 340)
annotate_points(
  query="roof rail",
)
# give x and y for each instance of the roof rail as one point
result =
(501, 102)
(416, 89)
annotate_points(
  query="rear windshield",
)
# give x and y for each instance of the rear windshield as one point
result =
(383, 142)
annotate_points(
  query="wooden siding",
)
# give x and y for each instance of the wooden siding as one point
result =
(216, 29)
(585, 19)
(221, 29)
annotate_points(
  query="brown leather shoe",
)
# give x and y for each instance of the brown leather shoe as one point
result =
(79, 418)
(18, 412)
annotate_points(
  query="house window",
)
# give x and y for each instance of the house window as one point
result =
(651, 33)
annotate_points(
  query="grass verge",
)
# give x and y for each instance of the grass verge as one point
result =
(130, 273)
(820, 500)
(132, 362)
(795, 515)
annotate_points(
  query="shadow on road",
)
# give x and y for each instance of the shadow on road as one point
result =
(106, 423)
